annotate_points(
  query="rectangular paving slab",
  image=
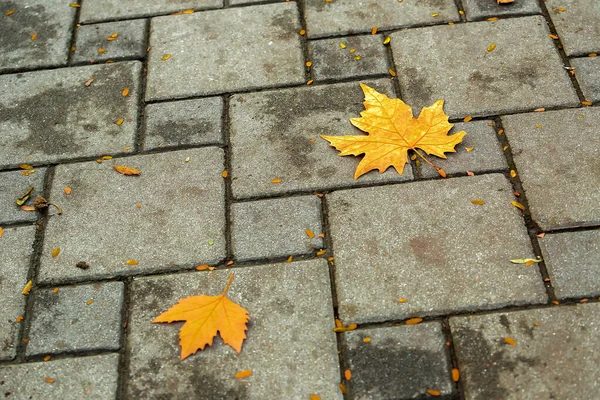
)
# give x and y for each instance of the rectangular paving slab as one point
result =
(577, 23)
(13, 185)
(556, 154)
(587, 71)
(481, 9)
(104, 10)
(397, 361)
(341, 17)
(401, 241)
(170, 216)
(51, 21)
(16, 247)
(223, 51)
(290, 345)
(482, 68)
(92, 377)
(284, 127)
(555, 355)
(48, 116)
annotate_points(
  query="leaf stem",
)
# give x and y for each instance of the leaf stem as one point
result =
(228, 284)
(438, 169)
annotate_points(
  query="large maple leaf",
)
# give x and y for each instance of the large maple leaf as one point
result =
(205, 316)
(392, 131)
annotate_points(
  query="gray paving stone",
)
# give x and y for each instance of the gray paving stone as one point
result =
(578, 25)
(572, 261)
(290, 344)
(188, 122)
(523, 72)
(556, 355)
(47, 116)
(223, 51)
(130, 42)
(180, 220)
(398, 362)
(13, 185)
(331, 61)
(487, 154)
(401, 241)
(280, 125)
(51, 20)
(558, 165)
(587, 72)
(481, 9)
(341, 17)
(104, 10)
(16, 247)
(276, 227)
(64, 321)
(92, 377)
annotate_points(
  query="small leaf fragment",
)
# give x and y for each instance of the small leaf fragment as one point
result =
(518, 205)
(348, 374)
(387, 40)
(1, 231)
(309, 233)
(513, 173)
(586, 103)
(343, 388)
(202, 267)
(28, 208)
(525, 260)
(55, 252)
(189, 11)
(433, 392)
(49, 380)
(402, 300)
(392, 72)
(55, 290)
(74, 5)
(414, 321)
(67, 190)
(289, 259)
(469, 149)
(20, 318)
(478, 202)
(349, 327)
(25, 166)
(243, 374)
(224, 174)
(455, 374)
(132, 262)
(47, 358)
(276, 180)
(34, 36)
(101, 50)
(367, 340)
(467, 118)
(89, 302)
(313, 396)
(166, 57)
(321, 252)
(125, 92)
(10, 12)
(88, 82)
(124, 170)
(510, 341)
(374, 30)
(491, 47)
(120, 121)
(553, 36)
(27, 288)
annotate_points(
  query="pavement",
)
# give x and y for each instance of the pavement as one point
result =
(220, 104)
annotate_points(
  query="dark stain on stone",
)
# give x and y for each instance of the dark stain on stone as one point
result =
(177, 133)
(429, 249)
(269, 67)
(417, 88)
(286, 21)
(527, 328)
(483, 82)
(282, 306)
(505, 323)
(159, 290)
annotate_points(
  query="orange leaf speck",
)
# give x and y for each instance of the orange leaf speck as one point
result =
(224, 174)
(302, 32)
(202, 267)
(10, 12)
(122, 169)
(74, 5)
(313, 396)
(67, 190)
(132, 262)
(120, 121)
(276, 180)
(402, 300)
(166, 57)
(47, 358)
(309, 233)
(49, 380)
(310, 82)
(513, 173)
(243, 374)
(125, 92)
(414, 321)
(348, 374)
(510, 341)
(467, 118)
(190, 11)
(343, 388)
(455, 374)
(392, 72)
(289, 259)
(20, 318)
(55, 252)
(55, 290)
(433, 392)
(374, 30)
(1, 231)
(518, 205)
(89, 302)
(366, 340)
(321, 252)
(478, 202)
(541, 109)
(586, 103)
(34, 36)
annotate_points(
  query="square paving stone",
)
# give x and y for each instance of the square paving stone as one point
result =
(577, 23)
(130, 42)
(240, 48)
(400, 362)
(276, 227)
(587, 72)
(47, 116)
(50, 20)
(171, 216)
(481, 9)
(290, 344)
(284, 127)
(78, 318)
(103, 10)
(555, 357)
(16, 247)
(331, 61)
(92, 377)
(453, 63)
(13, 185)
(188, 122)
(558, 165)
(341, 17)
(401, 241)
(486, 153)
(572, 259)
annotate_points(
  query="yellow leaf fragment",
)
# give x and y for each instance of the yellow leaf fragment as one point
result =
(478, 202)
(310, 82)
(125, 92)
(10, 12)
(313, 396)
(34, 36)
(414, 321)
(166, 57)
(89, 302)
(25, 166)
(202, 267)
(190, 11)
(348, 374)
(132, 262)
(343, 388)
(55, 290)
(349, 327)
(276, 180)
(513, 173)
(67, 190)
(309, 233)
(308, 64)
(224, 174)
(560, 9)
(402, 300)
(1, 231)
(321, 252)
(526, 260)
(433, 392)
(467, 118)
(553, 36)
(387, 40)
(367, 340)
(469, 149)
(491, 47)
(392, 72)
(586, 103)
(49, 380)
(20, 318)
(101, 50)
(289, 259)
(28, 172)
(74, 5)
(435, 15)
(27, 288)
(55, 252)
(243, 374)
(88, 82)
(122, 169)
(47, 358)
(518, 205)
(343, 45)
(114, 35)
(374, 30)
(510, 341)
(302, 32)
(505, 1)
(120, 121)
(455, 374)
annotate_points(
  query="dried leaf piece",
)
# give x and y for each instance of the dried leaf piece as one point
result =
(55, 290)
(470, 173)
(20, 318)
(89, 302)
(205, 316)
(289, 259)
(47, 358)
(190, 11)
(367, 340)
(513, 173)
(34, 36)
(392, 72)
(478, 202)
(74, 5)
(313, 396)
(27, 288)
(28, 172)
(202, 267)
(28, 208)
(166, 57)
(348, 374)
(82, 265)
(518, 205)
(343, 388)
(510, 341)
(586, 103)
(525, 260)
(541, 235)
(491, 47)
(25, 166)
(402, 300)
(10, 12)
(374, 30)
(21, 200)
(101, 50)
(455, 374)
(120, 121)
(387, 40)
(505, 1)
(243, 374)
(49, 380)
(553, 36)
(433, 392)
(88, 82)
(309, 233)
(276, 180)
(224, 174)
(321, 252)
(55, 252)
(349, 327)
(132, 262)
(467, 118)
(125, 92)
(124, 170)
(67, 190)
(40, 203)
(469, 149)
(414, 321)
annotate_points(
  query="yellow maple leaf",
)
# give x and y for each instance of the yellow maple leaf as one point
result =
(392, 131)
(122, 169)
(205, 316)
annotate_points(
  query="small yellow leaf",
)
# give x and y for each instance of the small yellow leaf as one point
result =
(132, 262)
(586, 103)
(28, 172)
(435, 15)
(166, 57)
(414, 321)
(553, 36)
(276, 180)
(313, 396)
(541, 109)
(433, 392)
(491, 47)
(560, 9)
(74, 5)
(321, 252)
(10, 12)
(243, 374)
(469, 149)
(101, 50)
(122, 169)
(27, 288)
(308, 64)
(309, 233)
(478, 202)
(25, 166)
(224, 174)
(34, 36)
(302, 32)
(493, 19)
(366, 340)
(357, 58)
(289, 259)
(343, 45)
(55, 290)
(28, 208)
(387, 40)
(89, 302)
(310, 82)
(55, 252)
(88, 82)
(510, 341)
(202, 267)
(402, 300)
(518, 205)
(20, 318)
(374, 30)
(190, 11)
(338, 323)
(526, 260)
(343, 388)
(47, 358)
(348, 374)
(49, 380)
(392, 72)
(455, 374)
(349, 327)
(67, 190)
(513, 173)
(120, 121)
(114, 35)
(125, 92)
(1, 231)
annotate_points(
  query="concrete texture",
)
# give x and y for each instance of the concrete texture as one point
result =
(342, 17)
(290, 335)
(104, 10)
(577, 23)
(482, 9)
(587, 72)
(398, 362)
(84, 317)
(47, 116)
(481, 82)
(276, 227)
(51, 20)
(265, 37)
(284, 127)
(549, 343)
(188, 122)
(486, 153)
(16, 247)
(572, 262)
(331, 61)
(129, 44)
(386, 250)
(13, 185)
(181, 206)
(549, 176)
(92, 377)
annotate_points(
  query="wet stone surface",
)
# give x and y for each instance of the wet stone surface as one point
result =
(50, 20)
(577, 23)
(549, 343)
(482, 9)
(587, 71)
(13, 185)
(104, 10)
(48, 116)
